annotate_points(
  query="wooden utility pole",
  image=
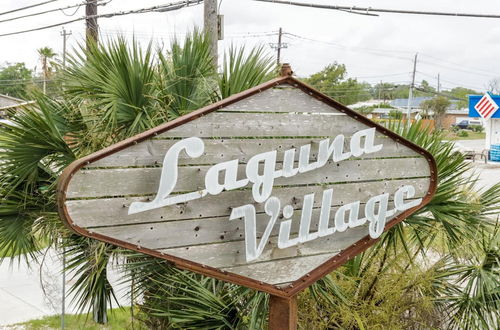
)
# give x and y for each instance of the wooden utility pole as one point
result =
(412, 86)
(92, 29)
(65, 36)
(211, 26)
(439, 83)
(278, 46)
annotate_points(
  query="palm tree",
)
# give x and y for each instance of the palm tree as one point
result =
(112, 91)
(46, 53)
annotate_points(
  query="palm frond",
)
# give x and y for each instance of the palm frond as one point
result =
(117, 82)
(186, 75)
(88, 260)
(242, 71)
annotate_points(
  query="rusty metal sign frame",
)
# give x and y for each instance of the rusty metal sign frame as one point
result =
(300, 284)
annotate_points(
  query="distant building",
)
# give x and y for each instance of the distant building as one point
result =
(454, 117)
(8, 102)
(381, 111)
(402, 104)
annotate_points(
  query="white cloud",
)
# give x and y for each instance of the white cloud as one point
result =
(371, 47)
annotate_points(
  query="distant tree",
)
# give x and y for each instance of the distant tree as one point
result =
(15, 79)
(401, 91)
(437, 106)
(395, 114)
(426, 88)
(384, 91)
(46, 53)
(494, 86)
(333, 82)
(332, 74)
(461, 94)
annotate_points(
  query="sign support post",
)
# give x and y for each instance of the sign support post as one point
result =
(282, 313)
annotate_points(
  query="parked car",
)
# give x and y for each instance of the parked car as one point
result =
(467, 123)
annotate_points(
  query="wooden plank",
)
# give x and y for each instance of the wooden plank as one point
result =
(152, 152)
(227, 124)
(279, 271)
(114, 211)
(221, 255)
(139, 181)
(282, 100)
(163, 235)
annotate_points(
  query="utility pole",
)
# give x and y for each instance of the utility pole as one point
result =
(211, 22)
(278, 46)
(92, 29)
(412, 86)
(379, 93)
(439, 83)
(65, 36)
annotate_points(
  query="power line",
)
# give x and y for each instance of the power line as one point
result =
(27, 7)
(455, 63)
(367, 10)
(385, 75)
(159, 8)
(349, 47)
(453, 83)
(376, 52)
(462, 70)
(381, 53)
(77, 6)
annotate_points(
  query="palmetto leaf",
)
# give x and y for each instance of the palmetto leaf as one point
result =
(88, 259)
(242, 71)
(469, 291)
(186, 75)
(117, 82)
(33, 151)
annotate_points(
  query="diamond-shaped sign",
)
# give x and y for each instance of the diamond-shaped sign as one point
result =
(271, 188)
(486, 106)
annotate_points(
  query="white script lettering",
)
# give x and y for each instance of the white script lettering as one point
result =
(376, 212)
(362, 142)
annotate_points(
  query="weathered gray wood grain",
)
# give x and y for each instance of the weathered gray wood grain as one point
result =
(152, 152)
(114, 211)
(136, 181)
(217, 124)
(282, 100)
(280, 271)
(183, 233)
(221, 255)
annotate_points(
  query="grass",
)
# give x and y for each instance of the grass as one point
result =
(472, 136)
(118, 319)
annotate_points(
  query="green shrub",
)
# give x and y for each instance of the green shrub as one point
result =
(462, 133)
(477, 128)
(455, 129)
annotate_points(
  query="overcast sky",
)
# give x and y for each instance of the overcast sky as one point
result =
(465, 51)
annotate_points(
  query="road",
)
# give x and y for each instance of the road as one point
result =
(489, 173)
(22, 297)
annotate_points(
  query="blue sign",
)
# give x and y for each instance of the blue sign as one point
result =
(473, 99)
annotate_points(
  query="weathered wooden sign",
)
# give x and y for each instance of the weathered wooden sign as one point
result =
(271, 188)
